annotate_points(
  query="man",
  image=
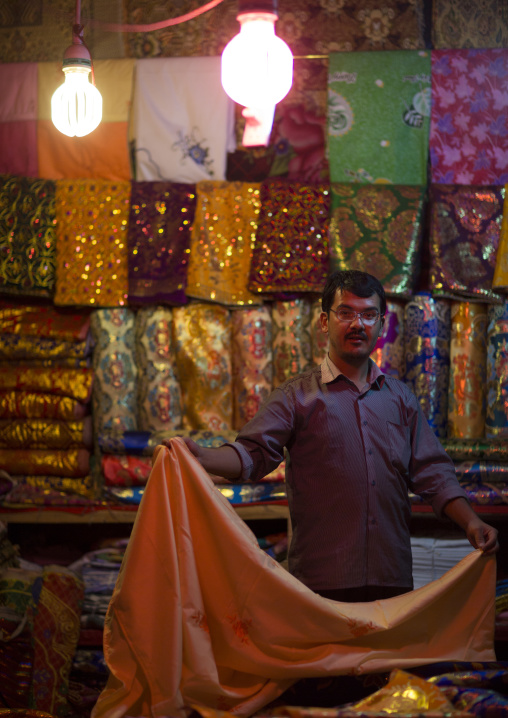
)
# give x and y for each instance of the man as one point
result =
(357, 441)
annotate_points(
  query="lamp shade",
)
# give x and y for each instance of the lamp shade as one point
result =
(257, 66)
(76, 106)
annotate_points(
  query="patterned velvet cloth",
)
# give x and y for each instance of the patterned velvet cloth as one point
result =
(368, 95)
(427, 357)
(291, 249)
(458, 24)
(27, 236)
(159, 397)
(160, 220)
(465, 226)
(468, 369)
(468, 125)
(92, 217)
(222, 242)
(378, 230)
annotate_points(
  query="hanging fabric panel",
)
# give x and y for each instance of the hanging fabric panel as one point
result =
(496, 424)
(291, 339)
(388, 353)
(159, 400)
(427, 357)
(468, 369)
(18, 119)
(203, 360)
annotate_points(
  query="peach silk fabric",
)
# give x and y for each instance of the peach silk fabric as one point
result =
(202, 616)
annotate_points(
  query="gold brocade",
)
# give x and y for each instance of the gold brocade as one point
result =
(15, 347)
(82, 487)
(92, 218)
(76, 383)
(468, 365)
(43, 434)
(319, 340)
(39, 462)
(222, 238)
(500, 281)
(291, 344)
(203, 359)
(27, 404)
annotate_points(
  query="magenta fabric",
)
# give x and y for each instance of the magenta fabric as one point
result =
(18, 141)
(469, 121)
(18, 90)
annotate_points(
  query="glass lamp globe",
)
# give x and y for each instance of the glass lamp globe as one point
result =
(257, 66)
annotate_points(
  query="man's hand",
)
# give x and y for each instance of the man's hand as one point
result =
(220, 462)
(482, 536)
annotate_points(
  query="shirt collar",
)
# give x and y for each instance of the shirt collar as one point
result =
(330, 372)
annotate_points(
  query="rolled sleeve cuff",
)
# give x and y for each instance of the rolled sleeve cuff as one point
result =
(245, 460)
(439, 503)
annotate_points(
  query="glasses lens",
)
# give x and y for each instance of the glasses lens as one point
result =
(370, 317)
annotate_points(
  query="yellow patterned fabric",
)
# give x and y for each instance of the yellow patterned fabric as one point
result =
(37, 405)
(44, 434)
(91, 266)
(500, 281)
(203, 359)
(71, 463)
(468, 369)
(76, 383)
(50, 491)
(222, 240)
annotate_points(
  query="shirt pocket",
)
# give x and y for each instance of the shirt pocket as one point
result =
(399, 443)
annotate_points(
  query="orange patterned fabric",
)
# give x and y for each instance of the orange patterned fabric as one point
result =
(212, 626)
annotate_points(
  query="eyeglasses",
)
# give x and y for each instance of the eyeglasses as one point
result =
(369, 317)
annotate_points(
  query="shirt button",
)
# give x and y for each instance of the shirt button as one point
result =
(370, 451)
(365, 423)
(373, 483)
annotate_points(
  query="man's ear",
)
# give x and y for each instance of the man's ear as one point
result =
(323, 320)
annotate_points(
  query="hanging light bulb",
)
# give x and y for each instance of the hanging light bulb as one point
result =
(257, 66)
(76, 107)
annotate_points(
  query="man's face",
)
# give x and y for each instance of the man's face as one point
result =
(351, 342)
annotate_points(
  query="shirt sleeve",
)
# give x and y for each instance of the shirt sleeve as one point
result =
(432, 472)
(260, 444)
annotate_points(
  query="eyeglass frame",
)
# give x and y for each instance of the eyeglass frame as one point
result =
(358, 315)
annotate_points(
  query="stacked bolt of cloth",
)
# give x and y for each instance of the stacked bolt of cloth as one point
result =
(45, 389)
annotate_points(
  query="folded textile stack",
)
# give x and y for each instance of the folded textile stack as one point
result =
(45, 390)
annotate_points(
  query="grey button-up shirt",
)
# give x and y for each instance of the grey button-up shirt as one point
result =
(352, 457)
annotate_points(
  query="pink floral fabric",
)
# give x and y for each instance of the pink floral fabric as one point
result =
(469, 121)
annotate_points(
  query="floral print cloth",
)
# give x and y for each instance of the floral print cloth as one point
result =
(469, 123)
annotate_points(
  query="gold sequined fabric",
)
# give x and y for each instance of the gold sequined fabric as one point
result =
(222, 241)
(203, 357)
(292, 343)
(44, 434)
(378, 229)
(75, 383)
(252, 361)
(92, 218)
(159, 397)
(468, 368)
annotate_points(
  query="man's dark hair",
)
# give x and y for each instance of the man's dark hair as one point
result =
(358, 283)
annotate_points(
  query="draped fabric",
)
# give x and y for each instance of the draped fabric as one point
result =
(203, 360)
(182, 120)
(465, 226)
(291, 338)
(388, 353)
(114, 395)
(222, 241)
(160, 220)
(468, 371)
(238, 648)
(102, 154)
(252, 365)
(290, 253)
(18, 119)
(458, 24)
(159, 399)
(368, 94)
(378, 230)
(427, 357)
(496, 423)
(468, 139)
(92, 218)
(500, 281)
(27, 236)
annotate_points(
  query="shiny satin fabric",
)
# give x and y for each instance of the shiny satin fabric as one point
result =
(468, 369)
(496, 423)
(212, 626)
